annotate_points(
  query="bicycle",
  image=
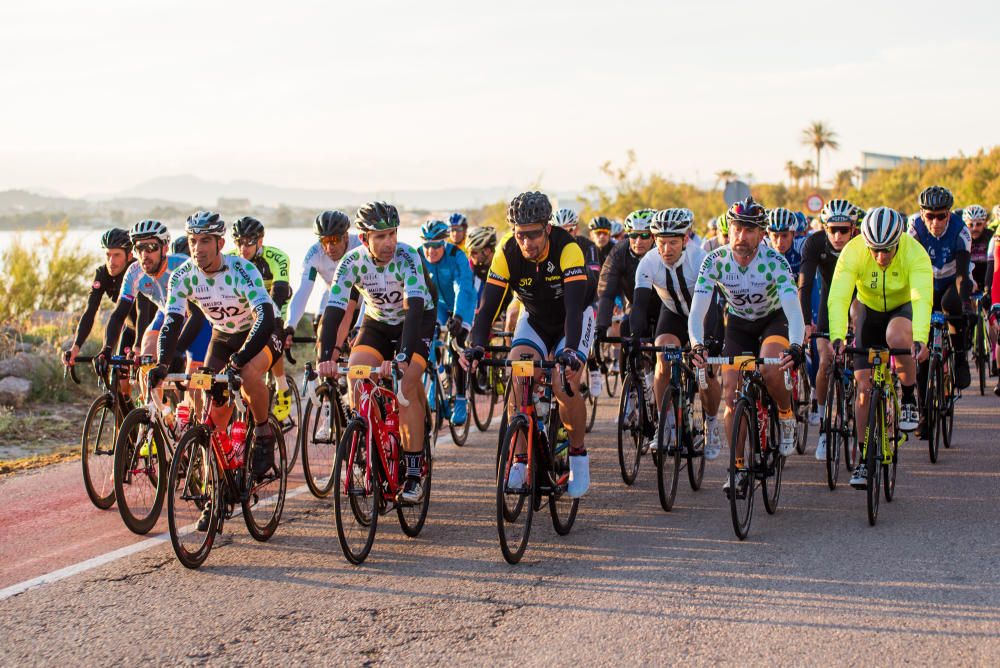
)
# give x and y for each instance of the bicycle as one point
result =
(801, 403)
(880, 446)
(204, 473)
(683, 424)
(839, 419)
(97, 443)
(546, 473)
(939, 411)
(324, 418)
(980, 343)
(486, 385)
(753, 455)
(369, 470)
(439, 382)
(636, 408)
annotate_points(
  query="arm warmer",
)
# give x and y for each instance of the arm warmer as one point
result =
(115, 323)
(169, 334)
(807, 276)
(87, 319)
(700, 304)
(574, 294)
(331, 323)
(796, 323)
(638, 317)
(488, 306)
(607, 289)
(281, 292)
(962, 283)
(263, 327)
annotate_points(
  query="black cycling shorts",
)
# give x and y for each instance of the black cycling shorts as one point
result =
(672, 323)
(744, 337)
(224, 345)
(870, 329)
(383, 340)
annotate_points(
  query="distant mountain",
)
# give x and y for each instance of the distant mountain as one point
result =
(22, 201)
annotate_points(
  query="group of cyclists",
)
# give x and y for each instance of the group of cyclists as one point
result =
(759, 284)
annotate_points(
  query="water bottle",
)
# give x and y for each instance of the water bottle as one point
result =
(323, 428)
(183, 418)
(541, 401)
(225, 444)
(237, 441)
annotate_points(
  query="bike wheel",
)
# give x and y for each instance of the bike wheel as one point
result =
(318, 454)
(412, 517)
(459, 433)
(483, 400)
(140, 471)
(833, 428)
(611, 376)
(742, 481)
(358, 495)
(694, 431)
(932, 413)
(979, 352)
(630, 436)
(873, 454)
(264, 502)
(562, 507)
(98, 449)
(850, 443)
(948, 399)
(668, 459)
(515, 507)
(889, 468)
(193, 486)
(802, 400)
(291, 431)
(591, 403)
(774, 462)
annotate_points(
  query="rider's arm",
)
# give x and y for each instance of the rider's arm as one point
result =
(300, 296)
(93, 304)
(281, 289)
(807, 277)
(117, 320)
(641, 295)
(170, 333)
(608, 288)
(465, 290)
(574, 279)
(845, 275)
(263, 327)
(921, 290)
(701, 301)
(489, 306)
(793, 313)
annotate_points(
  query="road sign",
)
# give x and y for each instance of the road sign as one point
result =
(814, 203)
(735, 191)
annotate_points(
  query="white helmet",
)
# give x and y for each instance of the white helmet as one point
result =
(565, 218)
(974, 213)
(882, 228)
(149, 229)
(671, 222)
(839, 211)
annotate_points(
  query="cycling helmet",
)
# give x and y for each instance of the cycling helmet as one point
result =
(180, 246)
(205, 222)
(722, 223)
(457, 220)
(712, 226)
(839, 211)
(616, 228)
(936, 198)
(331, 224)
(974, 213)
(860, 213)
(149, 229)
(529, 208)
(639, 219)
(802, 223)
(882, 228)
(376, 216)
(249, 227)
(671, 222)
(481, 237)
(116, 237)
(747, 212)
(433, 230)
(600, 223)
(565, 218)
(781, 220)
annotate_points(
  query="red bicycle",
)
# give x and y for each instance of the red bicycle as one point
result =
(369, 469)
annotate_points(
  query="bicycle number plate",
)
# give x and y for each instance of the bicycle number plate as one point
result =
(358, 372)
(523, 369)
(200, 381)
(146, 367)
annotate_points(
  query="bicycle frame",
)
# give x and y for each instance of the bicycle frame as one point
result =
(378, 408)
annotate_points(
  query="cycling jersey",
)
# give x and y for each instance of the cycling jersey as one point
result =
(452, 276)
(752, 293)
(316, 263)
(978, 257)
(944, 251)
(603, 252)
(383, 286)
(909, 278)
(818, 255)
(227, 297)
(104, 284)
(273, 266)
(794, 254)
(618, 281)
(154, 288)
(592, 263)
(674, 284)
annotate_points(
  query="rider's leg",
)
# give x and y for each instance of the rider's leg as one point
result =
(825, 349)
(774, 377)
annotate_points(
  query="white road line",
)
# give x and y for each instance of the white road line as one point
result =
(122, 552)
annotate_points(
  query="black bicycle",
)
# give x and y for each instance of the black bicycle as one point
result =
(980, 342)
(324, 418)
(680, 441)
(637, 416)
(839, 419)
(941, 395)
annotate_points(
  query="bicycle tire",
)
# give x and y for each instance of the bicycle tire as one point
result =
(696, 437)
(261, 493)
(346, 506)
(668, 459)
(135, 472)
(611, 377)
(833, 428)
(742, 450)
(949, 397)
(591, 400)
(774, 461)
(483, 399)
(319, 456)
(933, 410)
(512, 541)
(193, 469)
(459, 433)
(562, 507)
(889, 470)
(630, 438)
(98, 462)
(873, 454)
(412, 517)
(803, 400)
(292, 435)
(979, 352)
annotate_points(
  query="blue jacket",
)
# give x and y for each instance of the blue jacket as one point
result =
(956, 239)
(456, 290)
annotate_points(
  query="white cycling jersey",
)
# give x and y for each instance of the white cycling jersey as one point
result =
(316, 263)
(674, 284)
(383, 286)
(227, 298)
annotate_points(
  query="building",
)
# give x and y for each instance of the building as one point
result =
(873, 162)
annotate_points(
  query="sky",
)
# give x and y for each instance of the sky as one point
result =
(101, 95)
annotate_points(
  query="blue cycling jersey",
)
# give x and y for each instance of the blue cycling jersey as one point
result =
(137, 282)
(794, 254)
(456, 292)
(942, 250)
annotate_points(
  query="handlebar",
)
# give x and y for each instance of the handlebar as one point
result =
(538, 364)
(741, 362)
(363, 370)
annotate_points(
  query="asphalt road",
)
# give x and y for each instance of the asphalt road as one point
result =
(631, 584)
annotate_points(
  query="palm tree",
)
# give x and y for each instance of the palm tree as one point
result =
(808, 169)
(794, 174)
(819, 136)
(726, 175)
(844, 181)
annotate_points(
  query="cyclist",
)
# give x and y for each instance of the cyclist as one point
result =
(893, 278)
(721, 236)
(600, 234)
(108, 281)
(782, 231)
(948, 243)
(482, 245)
(975, 218)
(764, 318)
(544, 266)
(802, 229)
(819, 254)
(229, 293)
(456, 298)
(398, 323)
(149, 277)
(458, 225)
(321, 260)
(671, 272)
(617, 231)
(273, 265)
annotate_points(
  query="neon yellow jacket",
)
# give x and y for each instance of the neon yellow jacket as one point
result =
(908, 278)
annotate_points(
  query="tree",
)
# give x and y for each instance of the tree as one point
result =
(794, 174)
(820, 136)
(724, 175)
(844, 181)
(809, 169)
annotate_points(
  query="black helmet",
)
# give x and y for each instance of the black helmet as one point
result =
(747, 212)
(600, 223)
(180, 246)
(528, 208)
(936, 198)
(116, 237)
(376, 216)
(332, 223)
(248, 227)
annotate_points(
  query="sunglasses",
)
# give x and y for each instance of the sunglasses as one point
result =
(941, 215)
(639, 235)
(534, 234)
(834, 231)
(247, 241)
(433, 244)
(147, 248)
(884, 251)
(331, 239)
